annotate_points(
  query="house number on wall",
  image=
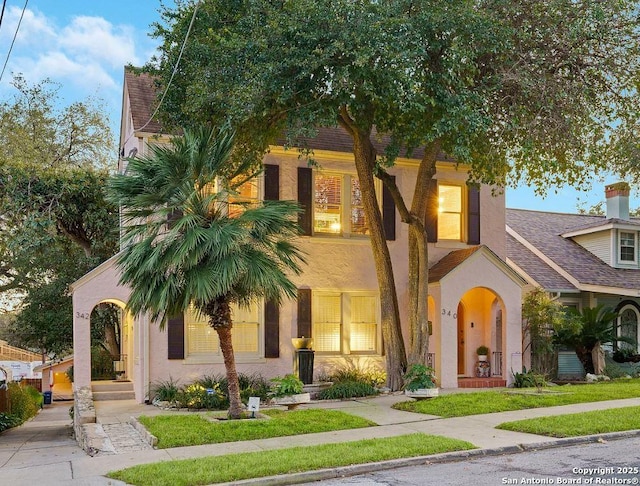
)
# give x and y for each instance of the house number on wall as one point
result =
(82, 315)
(448, 313)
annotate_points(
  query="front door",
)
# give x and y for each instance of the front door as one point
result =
(461, 347)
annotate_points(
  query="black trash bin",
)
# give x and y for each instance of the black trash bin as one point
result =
(305, 365)
(47, 397)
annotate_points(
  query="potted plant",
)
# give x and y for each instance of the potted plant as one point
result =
(482, 353)
(419, 382)
(289, 391)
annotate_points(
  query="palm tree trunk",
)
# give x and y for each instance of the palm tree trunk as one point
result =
(235, 403)
(219, 313)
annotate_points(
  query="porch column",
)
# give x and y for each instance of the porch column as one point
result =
(81, 342)
(448, 338)
(513, 358)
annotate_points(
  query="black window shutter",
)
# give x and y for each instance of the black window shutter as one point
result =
(304, 313)
(271, 330)
(175, 337)
(305, 195)
(388, 213)
(271, 182)
(431, 218)
(473, 216)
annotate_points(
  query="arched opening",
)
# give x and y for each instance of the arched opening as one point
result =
(480, 318)
(628, 326)
(110, 341)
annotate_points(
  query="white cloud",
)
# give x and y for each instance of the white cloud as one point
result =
(87, 54)
(35, 29)
(96, 39)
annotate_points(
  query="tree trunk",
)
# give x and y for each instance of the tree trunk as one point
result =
(219, 313)
(235, 403)
(419, 259)
(365, 158)
(584, 355)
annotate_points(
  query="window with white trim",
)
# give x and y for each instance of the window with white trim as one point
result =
(337, 205)
(202, 339)
(346, 322)
(628, 323)
(627, 246)
(450, 213)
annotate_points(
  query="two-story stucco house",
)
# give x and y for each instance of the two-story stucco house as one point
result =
(475, 297)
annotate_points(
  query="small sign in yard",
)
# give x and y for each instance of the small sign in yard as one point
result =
(254, 406)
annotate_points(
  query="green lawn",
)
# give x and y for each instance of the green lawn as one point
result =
(586, 423)
(192, 429)
(461, 404)
(235, 467)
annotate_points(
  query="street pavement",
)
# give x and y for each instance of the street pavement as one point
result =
(43, 450)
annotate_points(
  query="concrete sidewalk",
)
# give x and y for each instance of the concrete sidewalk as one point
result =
(43, 449)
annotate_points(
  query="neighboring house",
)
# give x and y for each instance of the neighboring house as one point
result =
(56, 379)
(18, 363)
(475, 297)
(583, 260)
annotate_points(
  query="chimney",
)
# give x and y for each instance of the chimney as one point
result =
(617, 200)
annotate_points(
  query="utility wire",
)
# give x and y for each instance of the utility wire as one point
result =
(173, 73)
(4, 4)
(14, 37)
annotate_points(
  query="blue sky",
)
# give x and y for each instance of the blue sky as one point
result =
(84, 44)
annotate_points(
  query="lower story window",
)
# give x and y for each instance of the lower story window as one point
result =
(202, 339)
(346, 322)
(628, 327)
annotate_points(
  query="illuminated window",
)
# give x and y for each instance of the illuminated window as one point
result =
(627, 246)
(245, 195)
(202, 339)
(345, 322)
(337, 205)
(449, 212)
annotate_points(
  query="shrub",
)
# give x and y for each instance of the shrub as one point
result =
(482, 351)
(24, 405)
(165, 391)
(69, 373)
(196, 396)
(8, 421)
(288, 385)
(357, 372)
(347, 389)
(419, 376)
(528, 379)
(254, 385)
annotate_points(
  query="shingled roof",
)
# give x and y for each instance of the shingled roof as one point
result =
(449, 262)
(143, 99)
(543, 230)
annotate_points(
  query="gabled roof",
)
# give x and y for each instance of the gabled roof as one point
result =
(142, 99)
(456, 258)
(564, 259)
(450, 261)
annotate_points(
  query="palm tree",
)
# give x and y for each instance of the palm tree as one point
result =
(598, 325)
(182, 246)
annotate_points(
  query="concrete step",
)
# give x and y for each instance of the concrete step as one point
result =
(113, 395)
(109, 386)
(495, 382)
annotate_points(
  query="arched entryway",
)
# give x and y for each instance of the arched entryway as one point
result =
(111, 341)
(479, 323)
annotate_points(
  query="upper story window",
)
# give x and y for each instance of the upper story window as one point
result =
(450, 215)
(627, 246)
(245, 194)
(337, 205)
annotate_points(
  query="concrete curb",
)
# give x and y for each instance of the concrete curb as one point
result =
(147, 436)
(346, 471)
